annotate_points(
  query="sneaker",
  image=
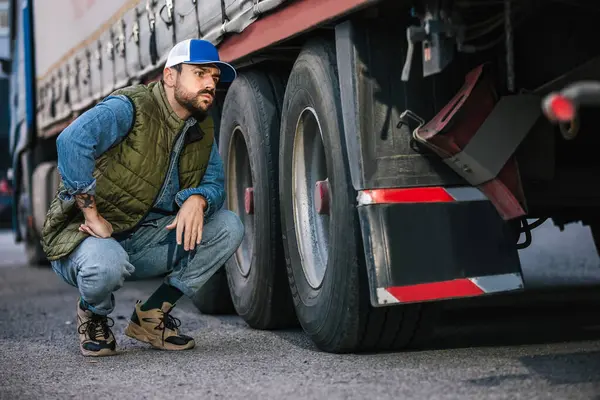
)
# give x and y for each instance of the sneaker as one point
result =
(158, 328)
(95, 337)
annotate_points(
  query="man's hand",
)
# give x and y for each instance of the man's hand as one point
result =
(190, 219)
(95, 225)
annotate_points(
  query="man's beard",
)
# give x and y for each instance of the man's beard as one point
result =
(192, 102)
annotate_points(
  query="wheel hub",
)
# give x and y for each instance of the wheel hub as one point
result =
(311, 197)
(240, 196)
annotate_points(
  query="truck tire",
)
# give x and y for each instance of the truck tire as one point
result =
(323, 250)
(248, 146)
(214, 298)
(45, 181)
(34, 253)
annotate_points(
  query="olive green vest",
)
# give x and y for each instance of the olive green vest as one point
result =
(131, 173)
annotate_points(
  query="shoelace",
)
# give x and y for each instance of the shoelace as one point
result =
(168, 322)
(96, 326)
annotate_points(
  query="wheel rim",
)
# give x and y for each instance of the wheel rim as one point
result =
(311, 213)
(241, 193)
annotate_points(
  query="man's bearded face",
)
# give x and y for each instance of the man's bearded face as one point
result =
(195, 87)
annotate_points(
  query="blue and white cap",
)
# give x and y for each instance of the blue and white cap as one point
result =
(198, 51)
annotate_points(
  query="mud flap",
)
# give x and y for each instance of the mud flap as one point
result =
(476, 135)
(419, 252)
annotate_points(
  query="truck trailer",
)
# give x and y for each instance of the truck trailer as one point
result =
(385, 156)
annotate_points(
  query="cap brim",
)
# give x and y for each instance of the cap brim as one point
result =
(228, 73)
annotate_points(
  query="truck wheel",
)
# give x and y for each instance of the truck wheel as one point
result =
(44, 184)
(323, 245)
(248, 146)
(34, 253)
(213, 298)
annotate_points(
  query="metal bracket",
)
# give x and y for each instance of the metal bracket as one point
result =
(497, 139)
(120, 39)
(86, 67)
(74, 78)
(469, 168)
(151, 16)
(110, 50)
(98, 55)
(169, 7)
(135, 33)
(410, 114)
(66, 80)
(437, 34)
(57, 85)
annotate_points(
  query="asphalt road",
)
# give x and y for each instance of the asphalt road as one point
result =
(542, 346)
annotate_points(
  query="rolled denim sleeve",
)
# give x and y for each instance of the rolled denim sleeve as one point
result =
(212, 187)
(90, 135)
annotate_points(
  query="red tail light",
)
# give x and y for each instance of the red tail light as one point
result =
(562, 108)
(4, 187)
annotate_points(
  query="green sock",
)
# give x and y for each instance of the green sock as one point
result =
(164, 293)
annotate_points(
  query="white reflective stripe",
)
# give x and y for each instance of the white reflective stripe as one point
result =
(466, 193)
(384, 297)
(364, 198)
(499, 283)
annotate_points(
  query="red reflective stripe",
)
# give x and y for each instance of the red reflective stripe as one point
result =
(436, 290)
(409, 195)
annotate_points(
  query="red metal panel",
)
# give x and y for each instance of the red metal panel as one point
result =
(291, 20)
(476, 99)
(436, 291)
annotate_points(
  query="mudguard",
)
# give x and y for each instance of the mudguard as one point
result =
(439, 250)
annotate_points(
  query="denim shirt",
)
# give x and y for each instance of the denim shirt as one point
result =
(96, 130)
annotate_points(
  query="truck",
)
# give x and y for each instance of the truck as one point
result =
(386, 157)
(5, 195)
(5, 189)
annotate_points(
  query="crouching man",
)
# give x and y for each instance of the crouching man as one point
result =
(140, 196)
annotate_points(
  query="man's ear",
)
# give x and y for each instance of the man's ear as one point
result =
(169, 77)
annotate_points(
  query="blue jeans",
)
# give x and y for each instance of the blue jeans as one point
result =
(98, 267)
